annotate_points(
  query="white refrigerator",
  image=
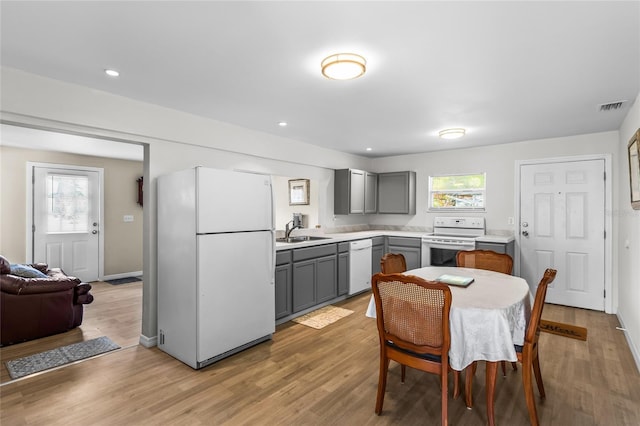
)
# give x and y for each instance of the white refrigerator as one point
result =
(216, 263)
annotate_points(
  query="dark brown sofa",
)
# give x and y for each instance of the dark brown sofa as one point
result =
(31, 308)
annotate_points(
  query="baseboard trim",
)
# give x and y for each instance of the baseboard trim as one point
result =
(634, 349)
(148, 342)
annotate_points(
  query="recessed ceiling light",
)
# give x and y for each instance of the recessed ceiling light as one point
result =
(452, 133)
(369, 149)
(343, 66)
(112, 73)
(282, 124)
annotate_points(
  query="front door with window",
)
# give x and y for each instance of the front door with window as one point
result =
(66, 219)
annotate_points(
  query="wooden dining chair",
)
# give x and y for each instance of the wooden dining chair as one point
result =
(413, 327)
(485, 259)
(528, 353)
(491, 261)
(393, 263)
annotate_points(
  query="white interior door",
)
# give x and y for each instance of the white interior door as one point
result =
(66, 220)
(562, 226)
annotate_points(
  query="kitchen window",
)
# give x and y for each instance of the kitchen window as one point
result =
(457, 192)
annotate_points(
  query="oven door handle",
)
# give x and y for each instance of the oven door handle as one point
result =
(450, 246)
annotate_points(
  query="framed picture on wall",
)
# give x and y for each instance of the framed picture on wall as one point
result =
(634, 170)
(299, 192)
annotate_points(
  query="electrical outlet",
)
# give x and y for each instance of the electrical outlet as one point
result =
(510, 221)
(127, 218)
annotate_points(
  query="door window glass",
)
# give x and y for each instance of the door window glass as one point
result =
(67, 203)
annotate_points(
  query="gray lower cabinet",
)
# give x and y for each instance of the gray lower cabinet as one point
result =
(326, 278)
(283, 284)
(409, 247)
(397, 193)
(497, 247)
(377, 251)
(315, 276)
(343, 268)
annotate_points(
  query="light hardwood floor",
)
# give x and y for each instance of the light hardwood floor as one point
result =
(116, 312)
(324, 377)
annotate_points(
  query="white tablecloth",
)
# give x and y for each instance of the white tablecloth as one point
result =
(487, 318)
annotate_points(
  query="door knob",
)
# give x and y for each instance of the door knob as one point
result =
(525, 233)
(94, 232)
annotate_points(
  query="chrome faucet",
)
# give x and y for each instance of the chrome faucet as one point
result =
(287, 231)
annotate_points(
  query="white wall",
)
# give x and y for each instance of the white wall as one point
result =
(284, 212)
(628, 220)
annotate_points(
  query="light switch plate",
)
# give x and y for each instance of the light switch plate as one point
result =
(128, 218)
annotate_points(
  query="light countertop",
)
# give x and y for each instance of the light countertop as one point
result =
(346, 236)
(504, 239)
(351, 236)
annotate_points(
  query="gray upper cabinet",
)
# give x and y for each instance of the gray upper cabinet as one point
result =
(397, 193)
(370, 192)
(355, 192)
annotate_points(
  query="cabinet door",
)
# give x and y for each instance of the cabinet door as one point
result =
(304, 283)
(376, 254)
(412, 255)
(343, 273)
(370, 193)
(283, 290)
(397, 193)
(356, 196)
(326, 278)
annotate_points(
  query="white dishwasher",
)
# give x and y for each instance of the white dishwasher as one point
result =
(359, 266)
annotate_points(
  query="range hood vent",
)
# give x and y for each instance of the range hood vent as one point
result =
(611, 106)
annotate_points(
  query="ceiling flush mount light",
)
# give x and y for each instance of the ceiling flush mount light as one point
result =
(452, 133)
(343, 66)
(111, 73)
(282, 124)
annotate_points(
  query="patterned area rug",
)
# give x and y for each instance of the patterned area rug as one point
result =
(124, 280)
(322, 317)
(56, 357)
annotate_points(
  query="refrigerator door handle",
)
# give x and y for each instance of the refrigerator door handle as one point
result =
(273, 255)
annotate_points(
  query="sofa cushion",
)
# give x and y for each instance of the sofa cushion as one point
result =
(5, 266)
(25, 271)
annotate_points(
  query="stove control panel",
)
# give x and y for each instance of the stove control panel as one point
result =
(459, 222)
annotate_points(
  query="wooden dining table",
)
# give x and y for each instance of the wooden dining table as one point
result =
(487, 319)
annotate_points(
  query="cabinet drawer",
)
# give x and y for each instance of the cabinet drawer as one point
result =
(497, 247)
(343, 247)
(404, 241)
(312, 252)
(283, 257)
(377, 241)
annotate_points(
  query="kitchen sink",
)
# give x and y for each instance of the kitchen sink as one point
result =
(300, 239)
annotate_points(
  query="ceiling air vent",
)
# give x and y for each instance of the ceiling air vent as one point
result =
(611, 106)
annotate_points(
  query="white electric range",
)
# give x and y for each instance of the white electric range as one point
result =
(449, 236)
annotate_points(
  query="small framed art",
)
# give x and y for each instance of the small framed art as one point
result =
(634, 170)
(299, 192)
